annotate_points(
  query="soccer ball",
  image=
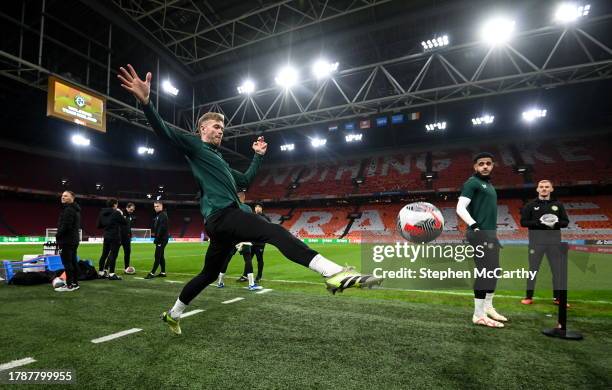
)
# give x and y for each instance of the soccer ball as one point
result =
(130, 270)
(58, 282)
(420, 222)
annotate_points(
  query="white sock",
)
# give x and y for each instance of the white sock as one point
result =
(251, 279)
(479, 310)
(221, 275)
(177, 309)
(488, 302)
(324, 266)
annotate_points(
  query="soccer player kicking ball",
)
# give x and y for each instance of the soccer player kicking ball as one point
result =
(226, 223)
(477, 207)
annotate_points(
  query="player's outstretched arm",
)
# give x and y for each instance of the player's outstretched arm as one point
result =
(141, 89)
(244, 179)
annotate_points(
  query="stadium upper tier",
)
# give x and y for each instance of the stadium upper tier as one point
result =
(566, 162)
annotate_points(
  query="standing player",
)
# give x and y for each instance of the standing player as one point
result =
(258, 247)
(544, 218)
(67, 239)
(110, 219)
(126, 236)
(226, 223)
(477, 207)
(160, 230)
(245, 249)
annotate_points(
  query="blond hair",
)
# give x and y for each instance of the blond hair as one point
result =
(546, 180)
(210, 116)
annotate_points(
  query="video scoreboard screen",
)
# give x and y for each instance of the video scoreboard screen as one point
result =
(74, 104)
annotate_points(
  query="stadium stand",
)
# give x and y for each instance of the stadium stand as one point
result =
(588, 215)
(585, 161)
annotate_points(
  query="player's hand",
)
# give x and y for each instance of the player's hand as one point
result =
(132, 82)
(260, 146)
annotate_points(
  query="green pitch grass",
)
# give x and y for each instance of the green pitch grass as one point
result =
(298, 335)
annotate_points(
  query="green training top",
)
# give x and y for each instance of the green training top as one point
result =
(213, 174)
(483, 207)
(245, 208)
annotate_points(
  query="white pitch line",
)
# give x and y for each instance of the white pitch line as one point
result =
(190, 313)
(173, 281)
(442, 292)
(265, 290)
(138, 277)
(16, 363)
(232, 300)
(115, 335)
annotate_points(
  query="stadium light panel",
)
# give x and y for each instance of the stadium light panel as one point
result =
(353, 137)
(80, 140)
(149, 196)
(533, 114)
(483, 120)
(99, 186)
(287, 77)
(497, 30)
(287, 147)
(569, 12)
(435, 126)
(247, 87)
(323, 68)
(318, 142)
(169, 88)
(434, 43)
(144, 150)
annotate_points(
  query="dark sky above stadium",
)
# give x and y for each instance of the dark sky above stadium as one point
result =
(386, 31)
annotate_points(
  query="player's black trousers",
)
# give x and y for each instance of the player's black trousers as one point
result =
(160, 257)
(556, 260)
(489, 261)
(246, 255)
(126, 243)
(228, 227)
(68, 253)
(258, 251)
(110, 249)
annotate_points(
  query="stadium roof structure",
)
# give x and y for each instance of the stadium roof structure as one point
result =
(207, 48)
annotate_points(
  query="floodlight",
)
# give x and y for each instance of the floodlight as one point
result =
(353, 137)
(80, 140)
(435, 42)
(435, 126)
(287, 147)
(533, 114)
(323, 68)
(287, 77)
(483, 120)
(247, 87)
(318, 142)
(497, 30)
(145, 150)
(569, 12)
(169, 88)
